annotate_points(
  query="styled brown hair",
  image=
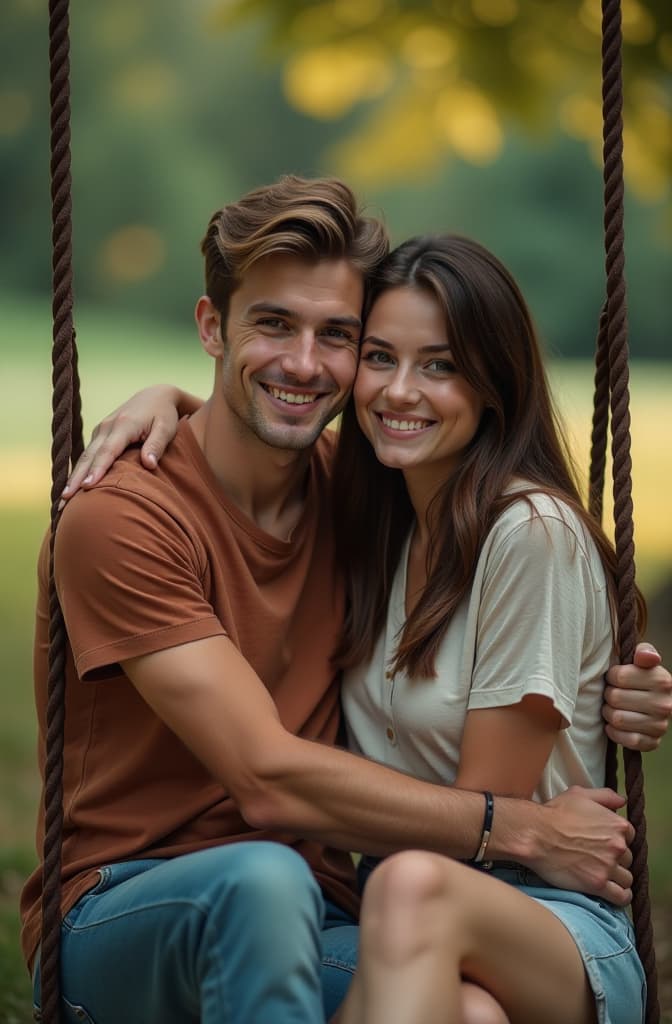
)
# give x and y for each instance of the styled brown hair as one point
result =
(313, 219)
(494, 345)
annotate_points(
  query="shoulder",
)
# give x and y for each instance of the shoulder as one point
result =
(543, 535)
(536, 515)
(130, 513)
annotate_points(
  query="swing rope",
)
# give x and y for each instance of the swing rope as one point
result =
(67, 443)
(611, 393)
(612, 396)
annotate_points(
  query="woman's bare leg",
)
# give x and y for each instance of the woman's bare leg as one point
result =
(478, 1007)
(428, 922)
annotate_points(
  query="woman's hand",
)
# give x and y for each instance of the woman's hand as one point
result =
(150, 416)
(638, 701)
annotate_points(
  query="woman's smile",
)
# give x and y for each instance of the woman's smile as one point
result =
(412, 404)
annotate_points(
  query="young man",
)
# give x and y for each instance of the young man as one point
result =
(208, 813)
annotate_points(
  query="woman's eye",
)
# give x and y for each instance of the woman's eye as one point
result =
(377, 357)
(441, 366)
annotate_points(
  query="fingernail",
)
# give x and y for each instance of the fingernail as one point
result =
(61, 504)
(66, 489)
(152, 458)
(88, 479)
(648, 647)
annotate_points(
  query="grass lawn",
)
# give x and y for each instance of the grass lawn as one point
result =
(117, 356)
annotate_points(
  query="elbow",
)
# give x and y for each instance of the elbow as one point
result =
(265, 795)
(264, 811)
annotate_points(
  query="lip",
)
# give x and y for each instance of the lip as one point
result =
(304, 409)
(401, 435)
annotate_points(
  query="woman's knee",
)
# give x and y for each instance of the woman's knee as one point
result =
(407, 905)
(410, 879)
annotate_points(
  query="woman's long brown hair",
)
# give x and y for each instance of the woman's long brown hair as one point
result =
(494, 346)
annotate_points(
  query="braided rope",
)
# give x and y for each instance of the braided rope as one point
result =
(612, 356)
(598, 464)
(612, 381)
(66, 422)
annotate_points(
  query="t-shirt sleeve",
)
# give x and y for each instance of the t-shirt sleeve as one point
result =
(130, 580)
(535, 610)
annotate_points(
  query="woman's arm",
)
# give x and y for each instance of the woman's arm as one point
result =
(544, 638)
(150, 416)
(505, 749)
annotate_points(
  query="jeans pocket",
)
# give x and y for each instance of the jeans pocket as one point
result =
(71, 1013)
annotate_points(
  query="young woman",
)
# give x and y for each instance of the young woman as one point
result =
(478, 635)
(479, 632)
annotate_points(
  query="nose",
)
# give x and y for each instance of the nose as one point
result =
(401, 388)
(301, 359)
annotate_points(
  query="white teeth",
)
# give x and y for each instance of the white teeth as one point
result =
(410, 425)
(291, 397)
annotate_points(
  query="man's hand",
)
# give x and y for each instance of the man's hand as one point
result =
(638, 701)
(150, 417)
(583, 845)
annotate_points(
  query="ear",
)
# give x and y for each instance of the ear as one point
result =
(209, 323)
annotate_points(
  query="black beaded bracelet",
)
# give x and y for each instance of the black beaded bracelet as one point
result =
(487, 826)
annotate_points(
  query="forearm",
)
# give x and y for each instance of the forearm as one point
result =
(575, 841)
(209, 696)
(347, 801)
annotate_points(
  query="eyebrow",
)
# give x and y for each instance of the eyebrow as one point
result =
(426, 349)
(292, 314)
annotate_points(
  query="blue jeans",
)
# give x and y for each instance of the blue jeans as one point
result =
(236, 934)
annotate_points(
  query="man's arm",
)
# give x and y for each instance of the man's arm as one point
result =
(639, 700)
(208, 694)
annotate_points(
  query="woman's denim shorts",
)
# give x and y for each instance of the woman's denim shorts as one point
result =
(605, 939)
(603, 934)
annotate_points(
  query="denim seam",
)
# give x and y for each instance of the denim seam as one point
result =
(202, 909)
(329, 961)
(610, 956)
(224, 1003)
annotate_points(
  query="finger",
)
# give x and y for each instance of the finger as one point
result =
(97, 458)
(159, 437)
(625, 860)
(616, 894)
(646, 655)
(646, 712)
(632, 677)
(606, 797)
(79, 473)
(622, 877)
(107, 451)
(633, 740)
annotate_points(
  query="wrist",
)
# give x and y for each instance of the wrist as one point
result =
(517, 831)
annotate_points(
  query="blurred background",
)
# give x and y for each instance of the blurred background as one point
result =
(480, 116)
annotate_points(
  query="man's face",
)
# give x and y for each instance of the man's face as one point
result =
(290, 350)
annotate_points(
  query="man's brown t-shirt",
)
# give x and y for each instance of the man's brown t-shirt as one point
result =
(148, 561)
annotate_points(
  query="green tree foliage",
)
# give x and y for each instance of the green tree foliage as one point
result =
(177, 108)
(447, 76)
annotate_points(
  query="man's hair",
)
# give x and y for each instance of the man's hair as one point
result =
(312, 219)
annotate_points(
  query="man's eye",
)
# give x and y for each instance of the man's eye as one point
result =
(337, 334)
(271, 321)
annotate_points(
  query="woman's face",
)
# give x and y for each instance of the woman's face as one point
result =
(417, 411)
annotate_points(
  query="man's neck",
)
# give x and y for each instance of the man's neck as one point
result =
(267, 484)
